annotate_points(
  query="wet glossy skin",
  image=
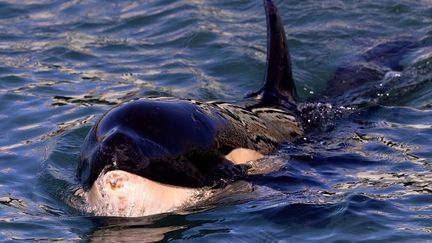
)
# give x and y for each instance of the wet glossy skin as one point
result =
(170, 142)
(181, 143)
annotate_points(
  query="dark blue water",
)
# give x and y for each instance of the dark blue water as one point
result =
(365, 177)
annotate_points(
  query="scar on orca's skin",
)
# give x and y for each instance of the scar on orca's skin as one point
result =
(155, 155)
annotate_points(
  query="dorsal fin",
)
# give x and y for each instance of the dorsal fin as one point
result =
(278, 80)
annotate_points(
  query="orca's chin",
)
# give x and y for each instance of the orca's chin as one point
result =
(123, 194)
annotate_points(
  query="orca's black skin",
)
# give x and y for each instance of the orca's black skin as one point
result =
(183, 142)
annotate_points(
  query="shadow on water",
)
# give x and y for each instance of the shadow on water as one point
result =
(148, 229)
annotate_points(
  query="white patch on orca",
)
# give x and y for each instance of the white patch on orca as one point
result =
(120, 193)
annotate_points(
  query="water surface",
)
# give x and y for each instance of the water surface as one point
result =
(366, 177)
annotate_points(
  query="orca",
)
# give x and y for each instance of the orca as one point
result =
(155, 154)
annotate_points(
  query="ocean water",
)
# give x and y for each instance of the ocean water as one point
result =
(364, 177)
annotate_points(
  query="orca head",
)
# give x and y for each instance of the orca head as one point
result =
(171, 142)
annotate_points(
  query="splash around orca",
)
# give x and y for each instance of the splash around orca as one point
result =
(154, 155)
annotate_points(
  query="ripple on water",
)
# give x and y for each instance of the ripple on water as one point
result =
(365, 177)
